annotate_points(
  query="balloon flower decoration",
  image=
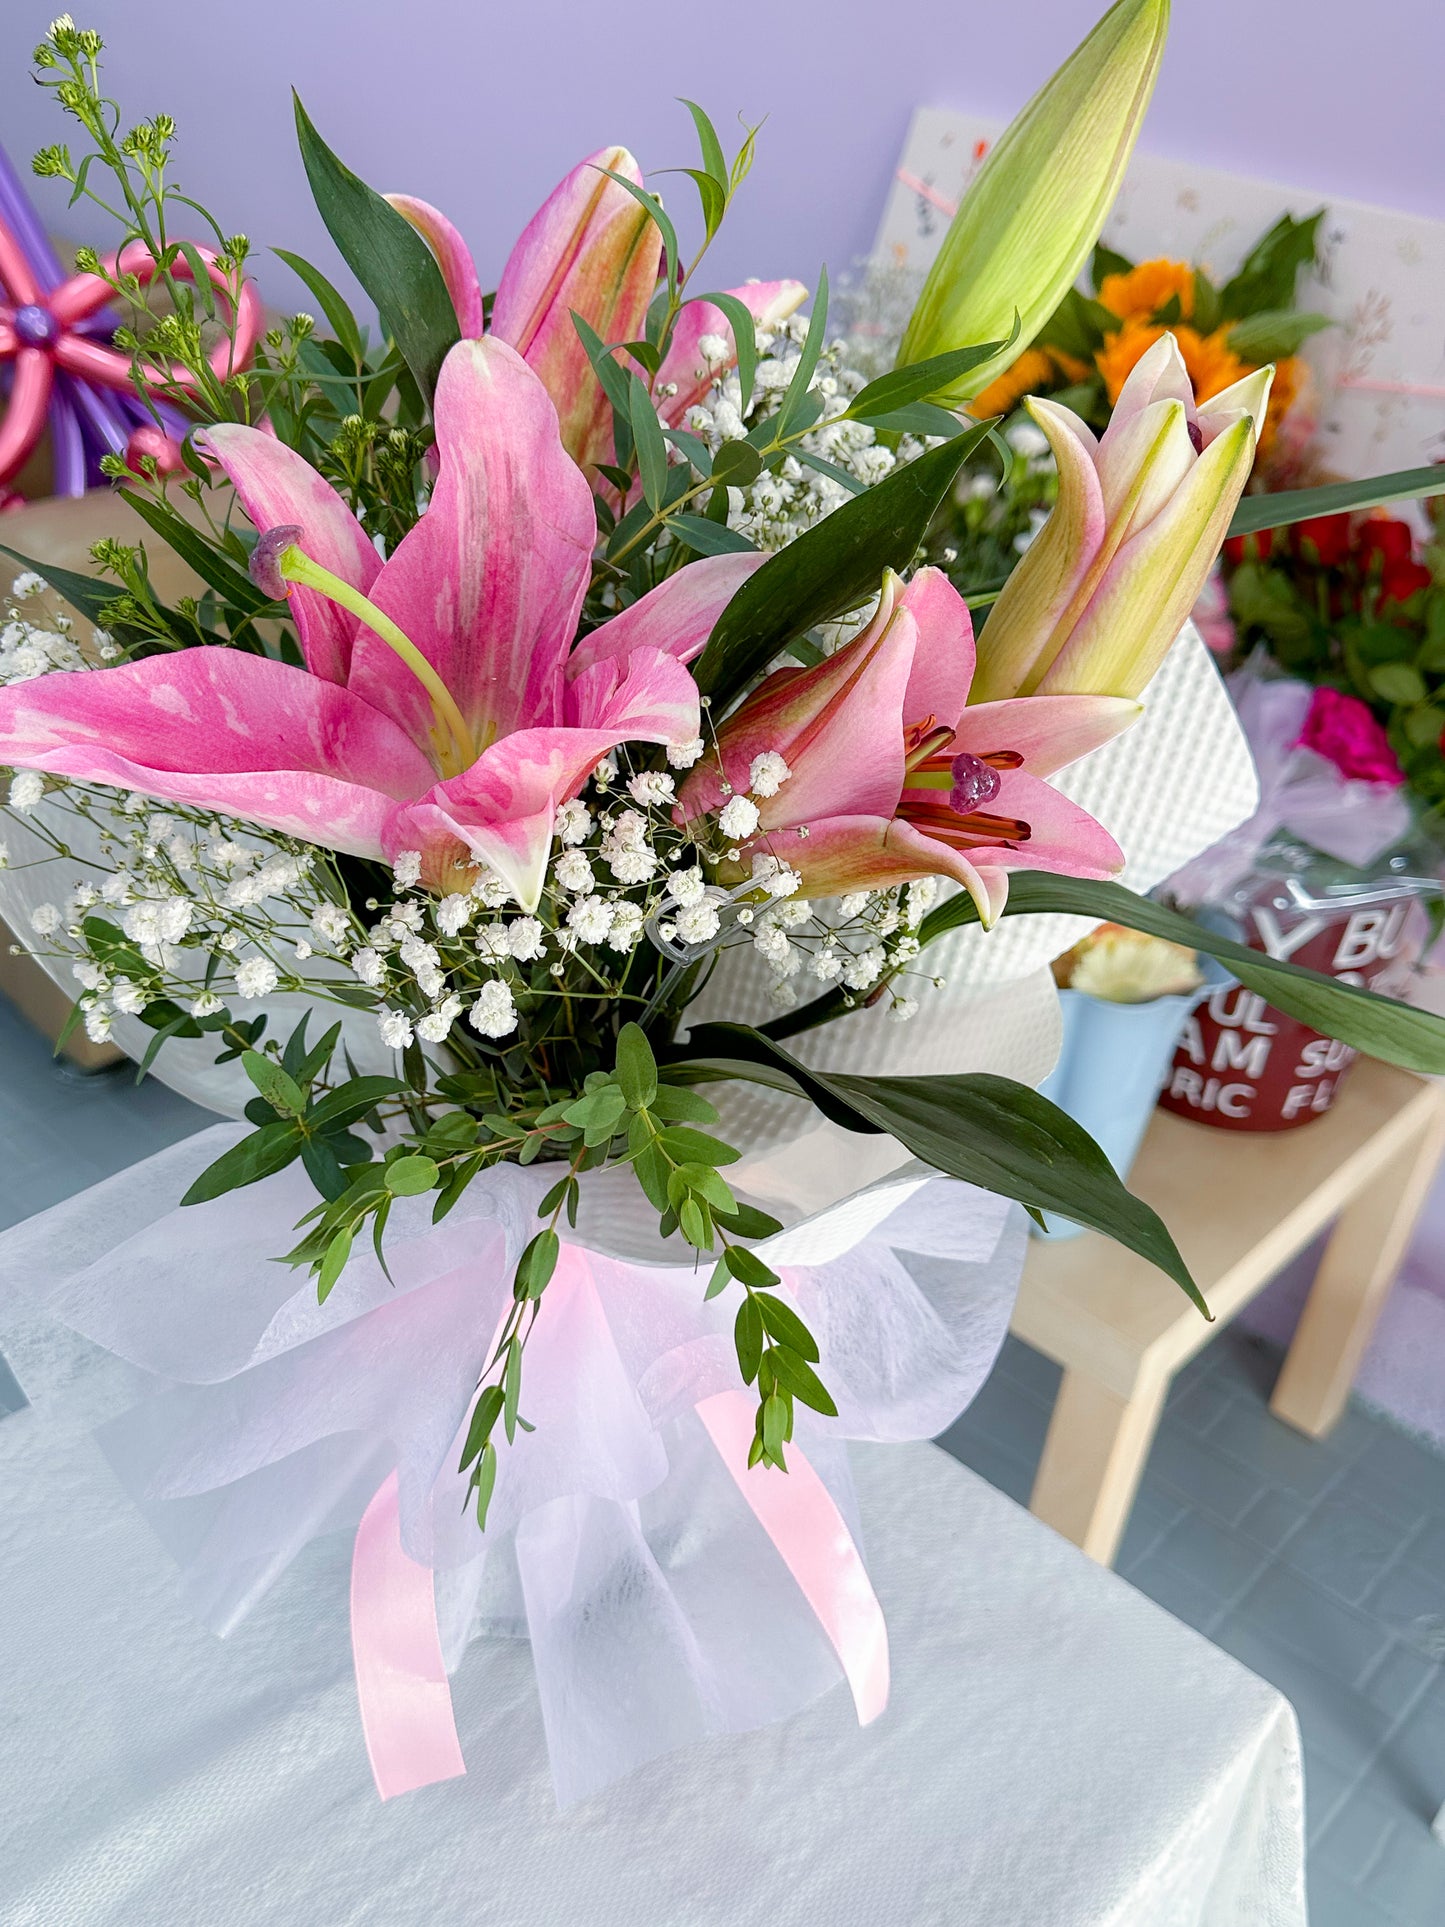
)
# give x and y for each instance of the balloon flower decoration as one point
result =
(55, 336)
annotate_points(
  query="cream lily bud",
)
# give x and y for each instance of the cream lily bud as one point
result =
(1033, 213)
(1098, 599)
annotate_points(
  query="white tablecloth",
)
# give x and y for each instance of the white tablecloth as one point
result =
(1058, 1751)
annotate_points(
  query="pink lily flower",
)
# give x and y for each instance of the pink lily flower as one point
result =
(436, 712)
(590, 249)
(892, 776)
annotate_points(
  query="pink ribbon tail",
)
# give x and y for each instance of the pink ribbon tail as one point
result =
(401, 1682)
(797, 1512)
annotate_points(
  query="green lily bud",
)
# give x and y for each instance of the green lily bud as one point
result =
(1029, 221)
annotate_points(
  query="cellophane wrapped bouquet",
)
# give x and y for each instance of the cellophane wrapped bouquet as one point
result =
(562, 738)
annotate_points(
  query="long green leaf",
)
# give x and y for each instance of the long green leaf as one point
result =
(922, 379)
(192, 547)
(92, 597)
(338, 314)
(1380, 1026)
(1258, 512)
(830, 569)
(745, 339)
(386, 254)
(988, 1130)
(257, 1156)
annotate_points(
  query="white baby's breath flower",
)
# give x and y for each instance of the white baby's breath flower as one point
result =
(491, 890)
(492, 941)
(303, 950)
(686, 886)
(826, 966)
(395, 1028)
(573, 872)
(698, 922)
(330, 921)
(864, 970)
(494, 1013)
(45, 919)
(526, 939)
(591, 918)
(652, 787)
(128, 998)
(782, 995)
(26, 789)
(738, 817)
(453, 914)
(206, 1005)
(626, 927)
(574, 822)
(684, 755)
(630, 865)
(368, 965)
(28, 584)
(768, 773)
(853, 905)
(436, 1025)
(902, 1009)
(407, 868)
(256, 977)
(98, 1024)
(4, 856)
(605, 772)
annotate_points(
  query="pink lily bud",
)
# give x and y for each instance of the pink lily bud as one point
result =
(1100, 596)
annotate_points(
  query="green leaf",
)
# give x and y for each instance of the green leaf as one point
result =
(1273, 335)
(748, 1337)
(1380, 1026)
(485, 1413)
(790, 413)
(687, 1146)
(1107, 260)
(1077, 326)
(276, 1085)
(745, 339)
(537, 1263)
(1208, 310)
(387, 256)
(334, 1263)
(775, 1424)
(988, 1130)
(785, 1325)
(350, 1102)
(1398, 682)
(798, 1377)
(408, 1177)
(736, 465)
(512, 1388)
(830, 568)
(1258, 512)
(696, 1225)
(636, 1067)
(486, 1482)
(709, 538)
(923, 379)
(918, 418)
(748, 1268)
(675, 1103)
(342, 321)
(257, 1156)
(1270, 270)
(664, 226)
(85, 593)
(719, 1281)
(745, 1221)
(713, 158)
(651, 445)
(229, 582)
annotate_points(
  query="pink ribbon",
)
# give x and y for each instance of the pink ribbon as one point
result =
(798, 1513)
(401, 1681)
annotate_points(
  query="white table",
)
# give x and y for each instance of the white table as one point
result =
(1058, 1751)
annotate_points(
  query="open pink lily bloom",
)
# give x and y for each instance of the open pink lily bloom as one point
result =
(353, 752)
(892, 775)
(592, 250)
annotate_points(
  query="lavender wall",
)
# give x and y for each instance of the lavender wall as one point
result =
(480, 106)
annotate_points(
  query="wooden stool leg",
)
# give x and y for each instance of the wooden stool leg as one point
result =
(1354, 1279)
(1092, 1460)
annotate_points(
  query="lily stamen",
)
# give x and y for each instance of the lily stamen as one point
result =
(278, 561)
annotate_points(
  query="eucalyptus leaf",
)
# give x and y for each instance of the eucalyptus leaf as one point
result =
(257, 1156)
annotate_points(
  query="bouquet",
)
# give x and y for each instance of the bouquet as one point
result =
(563, 689)
(1355, 606)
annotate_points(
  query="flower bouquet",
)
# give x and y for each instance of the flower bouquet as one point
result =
(563, 713)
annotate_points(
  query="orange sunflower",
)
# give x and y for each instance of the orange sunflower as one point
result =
(1211, 364)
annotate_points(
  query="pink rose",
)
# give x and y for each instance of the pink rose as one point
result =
(1343, 730)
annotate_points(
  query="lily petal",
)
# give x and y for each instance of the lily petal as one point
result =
(1049, 732)
(646, 696)
(489, 583)
(677, 616)
(223, 729)
(1037, 595)
(684, 366)
(589, 249)
(1250, 396)
(1062, 836)
(846, 853)
(454, 258)
(277, 486)
(944, 658)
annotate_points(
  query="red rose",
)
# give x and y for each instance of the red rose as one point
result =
(1399, 580)
(1384, 536)
(1249, 548)
(1342, 729)
(1323, 539)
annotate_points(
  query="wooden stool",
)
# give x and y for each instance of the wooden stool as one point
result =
(1240, 1205)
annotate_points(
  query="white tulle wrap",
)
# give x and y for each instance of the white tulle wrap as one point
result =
(658, 1609)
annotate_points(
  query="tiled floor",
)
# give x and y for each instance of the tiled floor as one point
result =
(1321, 1565)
